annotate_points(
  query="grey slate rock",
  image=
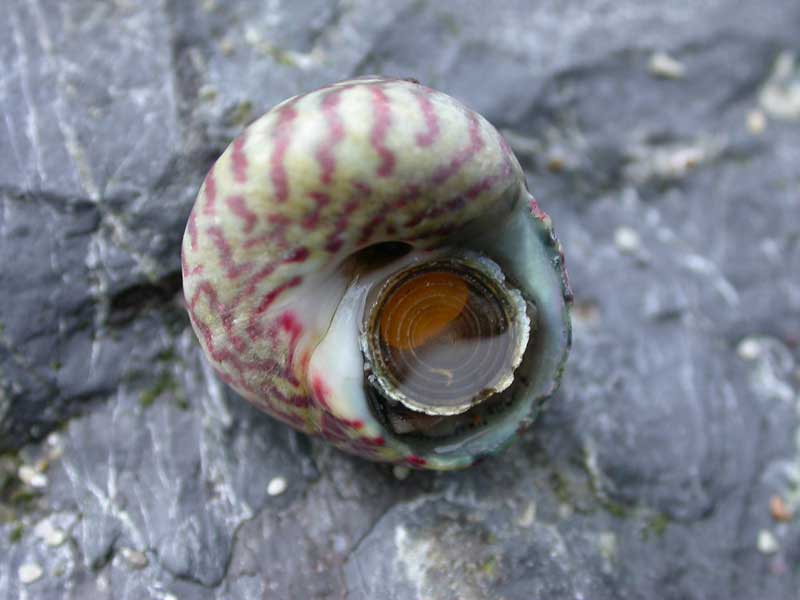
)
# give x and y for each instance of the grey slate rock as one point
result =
(652, 472)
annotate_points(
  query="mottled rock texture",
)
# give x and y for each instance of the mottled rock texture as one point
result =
(130, 472)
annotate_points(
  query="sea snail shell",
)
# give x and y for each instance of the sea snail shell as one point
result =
(366, 264)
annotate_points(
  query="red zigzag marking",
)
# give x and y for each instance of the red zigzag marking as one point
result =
(324, 153)
(239, 158)
(335, 241)
(311, 220)
(223, 312)
(408, 196)
(188, 272)
(210, 192)
(254, 330)
(283, 137)
(427, 138)
(286, 322)
(298, 255)
(377, 136)
(289, 323)
(462, 156)
(239, 208)
(191, 227)
(439, 176)
(232, 269)
(320, 392)
(330, 423)
(483, 185)
(296, 400)
(277, 234)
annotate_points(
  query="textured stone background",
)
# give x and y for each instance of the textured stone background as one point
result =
(129, 472)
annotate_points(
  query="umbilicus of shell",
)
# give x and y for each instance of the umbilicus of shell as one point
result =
(365, 263)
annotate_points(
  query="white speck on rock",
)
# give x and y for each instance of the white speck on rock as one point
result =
(30, 572)
(136, 559)
(102, 582)
(207, 93)
(50, 534)
(251, 36)
(756, 122)
(528, 516)
(671, 161)
(766, 543)
(54, 440)
(277, 486)
(771, 370)
(666, 66)
(32, 477)
(780, 96)
(401, 472)
(771, 249)
(227, 46)
(749, 349)
(704, 266)
(627, 240)
(607, 546)
(340, 543)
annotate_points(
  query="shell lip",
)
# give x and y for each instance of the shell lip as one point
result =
(503, 309)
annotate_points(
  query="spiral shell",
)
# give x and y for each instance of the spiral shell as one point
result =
(277, 268)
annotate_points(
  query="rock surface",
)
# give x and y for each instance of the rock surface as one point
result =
(664, 140)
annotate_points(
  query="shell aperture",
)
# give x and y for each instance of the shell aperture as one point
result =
(364, 263)
(445, 335)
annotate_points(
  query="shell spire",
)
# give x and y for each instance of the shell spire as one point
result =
(317, 204)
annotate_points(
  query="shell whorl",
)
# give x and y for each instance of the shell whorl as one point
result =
(313, 181)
